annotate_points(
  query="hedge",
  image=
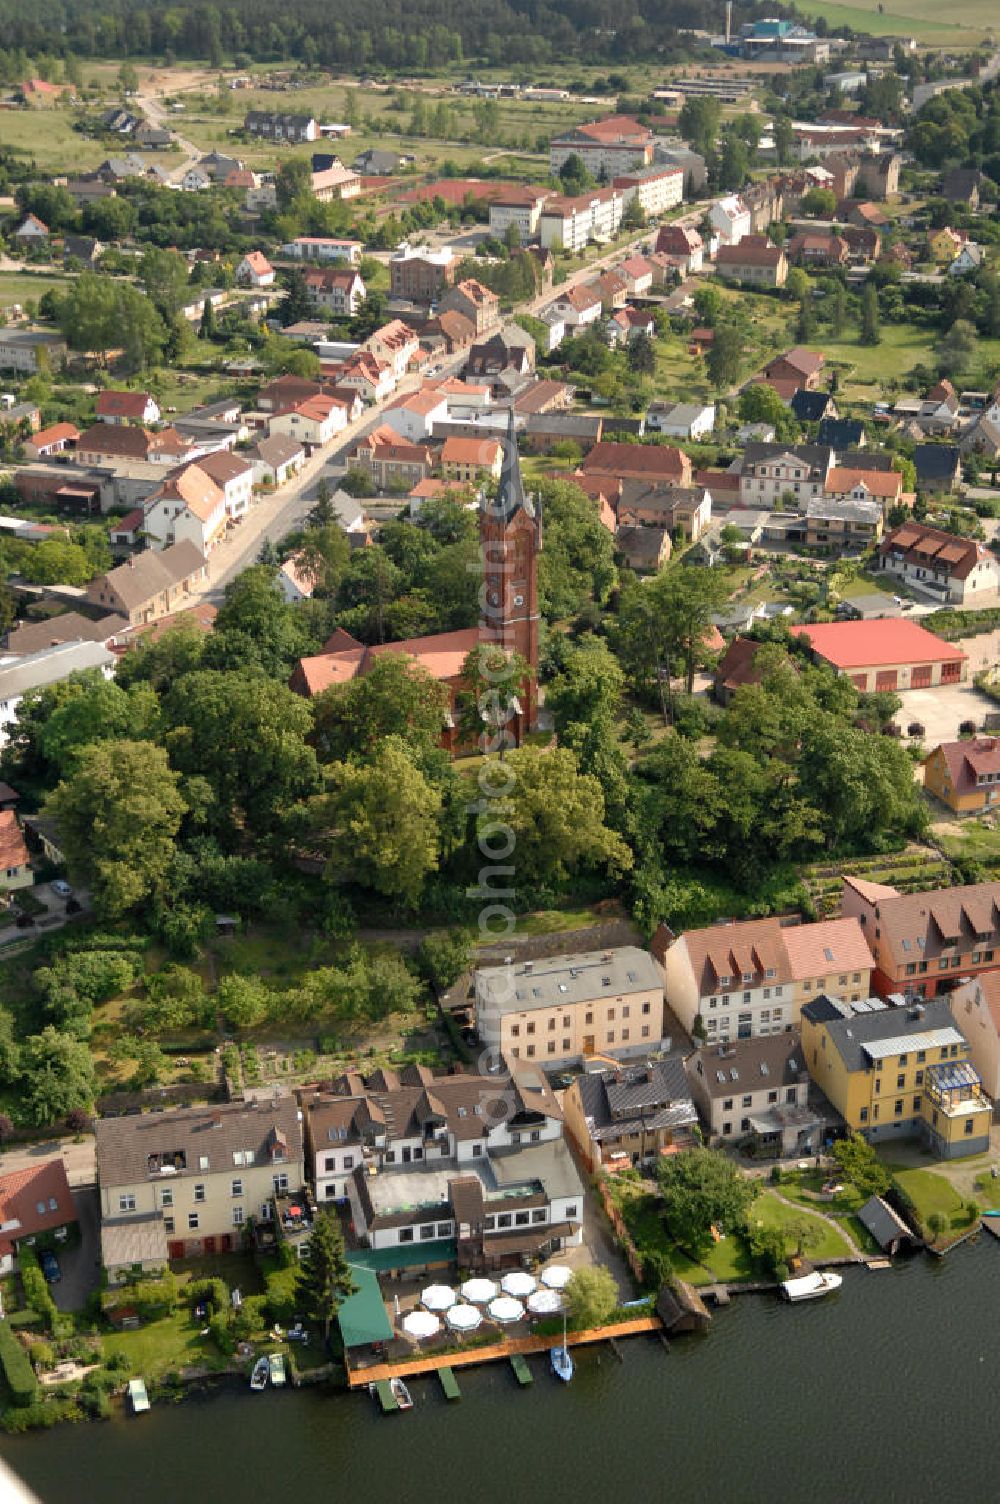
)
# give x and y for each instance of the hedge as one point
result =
(17, 1371)
(36, 1290)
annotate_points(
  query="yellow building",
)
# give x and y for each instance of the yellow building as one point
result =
(965, 775)
(471, 459)
(560, 1009)
(898, 1073)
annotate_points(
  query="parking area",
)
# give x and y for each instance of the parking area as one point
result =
(81, 1265)
(941, 711)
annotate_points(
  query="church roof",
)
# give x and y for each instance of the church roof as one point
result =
(510, 497)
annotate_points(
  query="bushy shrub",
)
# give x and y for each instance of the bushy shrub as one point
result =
(17, 1371)
(212, 1291)
(36, 1291)
(222, 1334)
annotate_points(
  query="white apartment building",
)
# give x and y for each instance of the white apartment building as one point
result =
(570, 224)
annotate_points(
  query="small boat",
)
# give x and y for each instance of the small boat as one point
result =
(812, 1286)
(276, 1363)
(261, 1373)
(559, 1357)
(522, 1372)
(401, 1394)
(449, 1384)
(138, 1398)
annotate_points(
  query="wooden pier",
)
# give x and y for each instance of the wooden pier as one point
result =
(409, 1368)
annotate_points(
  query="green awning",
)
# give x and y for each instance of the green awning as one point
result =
(363, 1318)
(408, 1256)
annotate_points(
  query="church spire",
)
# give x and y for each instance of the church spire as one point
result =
(510, 492)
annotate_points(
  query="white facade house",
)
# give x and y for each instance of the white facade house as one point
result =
(570, 224)
(681, 420)
(189, 507)
(31, 671)
(730, 219)
(578, 307)
(655, 189)
(520, 207)
(235, 476)
(322, 248)
(413, 417)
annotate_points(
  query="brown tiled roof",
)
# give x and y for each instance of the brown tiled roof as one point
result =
(918, 926)
(933, 546)
(969, 760)
(34, 1199)
(13, 852)
(774, 1060)
(32, 636)
(664, 460)
(737, 665)
(129, 1148)
(830, 945)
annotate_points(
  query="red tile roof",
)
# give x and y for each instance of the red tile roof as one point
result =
(34, 1200)
(122, 404)
(967, 761)
(867, 644)
(13, 852)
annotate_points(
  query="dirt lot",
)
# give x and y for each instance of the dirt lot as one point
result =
(941, 711)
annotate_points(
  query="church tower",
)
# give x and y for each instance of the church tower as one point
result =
(510, 532)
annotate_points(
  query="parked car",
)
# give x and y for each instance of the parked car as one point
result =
(50, 1267)
(61, 887)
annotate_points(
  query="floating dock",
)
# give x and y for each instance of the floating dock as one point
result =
(449, 1384)
(522, 1372)
(138, 1398)
(409, 1368)
(386, 1398)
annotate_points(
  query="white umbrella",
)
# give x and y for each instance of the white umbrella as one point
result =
(518, 1283)
(463, 1318)
(481, 1291)
(437, 1297)
(557, 1277)
(421, 1324)
(545, 1303)
(505, 1309)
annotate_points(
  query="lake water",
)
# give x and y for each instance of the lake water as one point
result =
(884, 1392)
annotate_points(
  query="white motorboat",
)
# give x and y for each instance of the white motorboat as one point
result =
(276, 1362)
(261, 1374)
(812, 1286)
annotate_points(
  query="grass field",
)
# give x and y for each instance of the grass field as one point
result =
(49, 137)
(865, 369)
(970, 838)
(22, 287)
(963, 25)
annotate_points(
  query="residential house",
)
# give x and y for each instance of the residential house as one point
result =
(679, 240)
(736, 668)
(938, 467)
(506, 355)
(814, 248)
(628, 324)
(878, 174)
(449, 1169)
(196, 1175)
(234, 475)
(939, 409)
(864, 243)
(195, 180)
(36, 671)
(752, 977)
(965, 775)
(693, 165)
(314, 421)
(69, 626)
(683, 511)
(377, 163)
(681, 420)
(396, 344)
(954, 570)
(756, 1090)
(188, 506)
(578, 306)
(475, 302)
(471, 460)
(944, 243)
(557, 1010)
(255, 270)
(413, 417)
(15, 868)
(886, 655)
(151, 584)
(372, 379)
(127, 407)
(644, 549)
(420, 274)
(334, 182)
(275, 459)
(777, 474)
(630, 1116)
(337, 292)
(28, 351)
(32, 231)
(36, 1206)
(613, 145)
(843, 525)
(812, 407)
(982, 438)
(975, 1008)
(752, 261)
(857, 484)
(971, 258)
(842, 433)
(113, 441)
(730, 219)
(49, 441)
(392, 461)
(794, 369)
(281, 127)
(961, 185)
(570, 224)
(83, 249)
(898, 1073)
(638, 274)
(654, 463)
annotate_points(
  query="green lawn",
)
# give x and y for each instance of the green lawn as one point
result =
(971, 838)
(162, 1346)
(727, 1263)
(965, 26)
(29, 285)
(931, 1194)
(865, 369)
(767, 1209)
(48, 136)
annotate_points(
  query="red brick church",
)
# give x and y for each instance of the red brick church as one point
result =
(510, 531)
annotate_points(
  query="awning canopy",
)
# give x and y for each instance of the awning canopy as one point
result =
(363, 1317)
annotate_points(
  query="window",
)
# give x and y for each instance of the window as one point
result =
(199, 1192)
(426, 1231)
(727, 1105)
(645, 1031)
(588, 1018)
(126, 1203)
(625, 1011)
(237, 1188)
(611, 1015)
(280, 1185)
(531, 1028)
(444, 1229)
(515, 1029)
(203, 1161)
(745, 1125)
(900, 1082)
(167, 1196)
(645, 1007)
(552, 1024)
(520, 1219)
(538, 1215)
(713, 1002)
(531, 1051)
(566, 1046)
(551, 1047)
(406, 1234)
(878, 1084)
(503, 1220)
(611, 1036)
(919, 1078)
(192, 1221)
(390, 1156)
(329, 1163)
(572, 1211)
(477, 1150)
(790, 1094)
(902, 1060)
(898, 1108)
(969, 1124)
(348, 1161)
(624, 1036)
(168, 1224)
(916, 1104)
(746, 1101)
(863, 1115)
(238, 1216)
(727, 1128)
(772, 1096)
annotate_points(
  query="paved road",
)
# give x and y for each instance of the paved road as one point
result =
(80, 1158)
(81, 1266)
